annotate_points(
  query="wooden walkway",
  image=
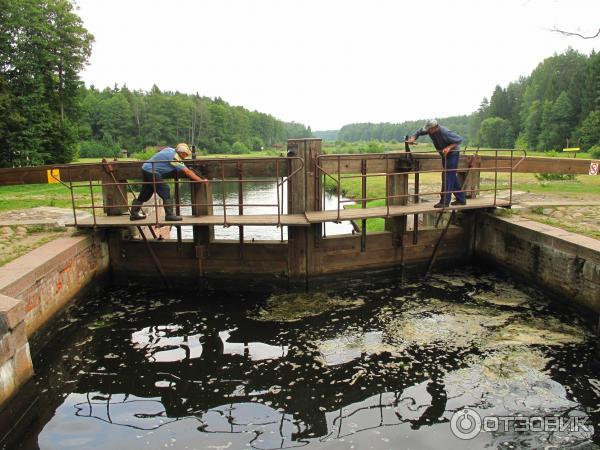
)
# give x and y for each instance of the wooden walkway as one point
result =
(233, 220)
(400, 210)
(287, 219)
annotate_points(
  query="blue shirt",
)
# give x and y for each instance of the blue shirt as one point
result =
(443, 138)
(165, 162)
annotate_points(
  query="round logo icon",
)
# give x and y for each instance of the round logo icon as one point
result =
(465, 424)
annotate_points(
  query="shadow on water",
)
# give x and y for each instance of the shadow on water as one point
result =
(377, 367)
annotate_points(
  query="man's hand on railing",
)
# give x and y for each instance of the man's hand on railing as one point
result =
(448, 149)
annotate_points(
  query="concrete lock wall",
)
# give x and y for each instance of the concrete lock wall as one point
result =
(564, 263)
(33, 288)
(15, 359)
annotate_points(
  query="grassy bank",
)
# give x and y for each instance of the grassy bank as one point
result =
(34, 195)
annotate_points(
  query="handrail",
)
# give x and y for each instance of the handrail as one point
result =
(222, 162)
(410, 157)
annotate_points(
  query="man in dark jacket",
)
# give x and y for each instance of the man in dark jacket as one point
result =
(447, 143)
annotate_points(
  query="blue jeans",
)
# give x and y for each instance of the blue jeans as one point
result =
(161, 188)
(450, 182)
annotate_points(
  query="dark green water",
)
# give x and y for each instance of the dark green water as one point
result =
(380, 367)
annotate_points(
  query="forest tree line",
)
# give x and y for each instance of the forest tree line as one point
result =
(48, 116)
(119, 118)
(558, 102)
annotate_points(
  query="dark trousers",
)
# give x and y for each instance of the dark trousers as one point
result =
(159, 186)
(450, 182)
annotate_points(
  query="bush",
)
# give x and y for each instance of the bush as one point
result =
(545, 177)
(96, 149)
(256, 143)
(239, 148)
(372, 147)
(145, 155)
(595, 151)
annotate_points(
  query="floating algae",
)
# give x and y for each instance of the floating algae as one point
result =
(348, 347)
(515, 380)
(502, 294)
(456, 280)
(295, 307)
(452, 325)
(535, 331)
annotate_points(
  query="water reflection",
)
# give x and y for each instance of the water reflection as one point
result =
(260, 193)
(195, 373)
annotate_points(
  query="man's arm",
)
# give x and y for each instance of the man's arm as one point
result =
(413, 138)
(449, 148)
(192, 175)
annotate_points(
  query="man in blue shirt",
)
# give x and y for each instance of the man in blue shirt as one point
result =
(447, 143)
(163, 164)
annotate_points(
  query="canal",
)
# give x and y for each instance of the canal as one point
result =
(375, 365)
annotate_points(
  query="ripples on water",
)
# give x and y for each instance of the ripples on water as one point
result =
(377, 367)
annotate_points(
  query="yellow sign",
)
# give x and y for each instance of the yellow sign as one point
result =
(53, 175)
(572, 149)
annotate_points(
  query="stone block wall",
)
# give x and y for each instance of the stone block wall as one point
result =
(15, 359)
(564, 263)
(33, 288)
(47, 278)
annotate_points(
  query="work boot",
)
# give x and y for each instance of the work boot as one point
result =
(170, 215)
(136, 211)
(459, 203)
(440, 205)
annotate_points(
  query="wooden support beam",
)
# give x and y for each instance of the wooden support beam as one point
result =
(301, 198)
(397, 185)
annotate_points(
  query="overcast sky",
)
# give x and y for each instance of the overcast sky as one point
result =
(326, 63)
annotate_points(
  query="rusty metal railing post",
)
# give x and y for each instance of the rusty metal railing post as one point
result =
(223, 194)
(72, 196)
(240, 190)
(363, 231)
(387, 186)
(339, 189)
(177, 206)
(510, 180)
(278, 197)
(92, 196)
(496, 177)
(154, 192)
(417, 200)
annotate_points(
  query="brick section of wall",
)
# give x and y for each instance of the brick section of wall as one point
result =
(565, 263)
(32, 289)
(15, 359)
(47, 278)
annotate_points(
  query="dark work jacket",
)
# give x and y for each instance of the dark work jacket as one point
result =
(443, 138)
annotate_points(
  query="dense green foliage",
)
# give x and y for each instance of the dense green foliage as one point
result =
(557, 105)
(134, 120)
(558, 101)
(48, 116)
(391, 131)
(43, 45)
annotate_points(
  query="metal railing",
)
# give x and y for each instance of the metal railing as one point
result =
(411, 167)
(282, 174)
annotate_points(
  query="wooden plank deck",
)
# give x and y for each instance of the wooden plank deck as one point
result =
(399, 210)
(288, 219)
(246, 220)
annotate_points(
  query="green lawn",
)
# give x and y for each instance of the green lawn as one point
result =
(34, 195)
